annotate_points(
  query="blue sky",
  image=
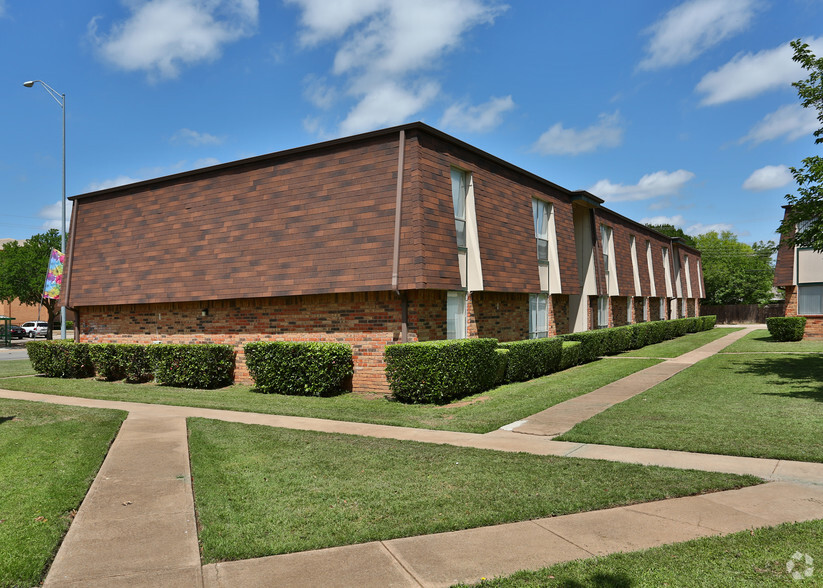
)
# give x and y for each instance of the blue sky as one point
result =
(677, 112)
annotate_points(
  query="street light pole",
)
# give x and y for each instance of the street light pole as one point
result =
(61, 100)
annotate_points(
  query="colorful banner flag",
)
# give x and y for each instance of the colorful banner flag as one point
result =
(54, 277)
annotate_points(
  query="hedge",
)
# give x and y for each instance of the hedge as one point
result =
(786, 328)
(299, 368)
(192, 366)
(60, 359)
(117, 361)
(532, 358)
(437, 372)
(570, 355)
(502, 365)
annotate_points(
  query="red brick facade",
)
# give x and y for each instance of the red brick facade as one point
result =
(814, 324)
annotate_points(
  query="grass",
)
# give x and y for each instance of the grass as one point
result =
(50, 455)
(748, 558)
(761, 341)
(680, 345)
(264, 491)
(16, 367)
(758, 405)
(476, 414)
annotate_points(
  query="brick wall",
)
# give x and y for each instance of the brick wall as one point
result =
(639, 304)
(619, 311)
(814, 324)
(500, 315)
(559, 314)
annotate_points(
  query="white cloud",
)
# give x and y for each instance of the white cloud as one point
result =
(477, 119)
(384, 47)
(52, 215)
(693, 27)
(111, 183)
(318, 91)
(701, 229)
(661, 183)
(676, 220)
(768, 178)
(387, 105)
(2, 8)
(607, 132)
(750, 74)
(791, 121)
(195, 138)
(161, 36)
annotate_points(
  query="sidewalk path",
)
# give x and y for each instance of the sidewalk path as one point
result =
(136, 526)
(558, 419)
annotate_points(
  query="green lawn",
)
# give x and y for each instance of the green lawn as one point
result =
(263, 491)
(49, 456)
(750, 558)
(680, 345)
(477, 414)
(759, 405)
(761, 341)
(16, 367)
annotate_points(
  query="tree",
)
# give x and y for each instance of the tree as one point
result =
(806, 212)
(673, 231)
(734, 272)
(23, 272)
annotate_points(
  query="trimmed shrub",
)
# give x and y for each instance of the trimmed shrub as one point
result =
(437, 372)
(532, 358)
(569, 354)
(136, 363)
(299, 368)
(693, 324)
(591, 343)
(708, 322)
(60, 359)
(786, 328)
(106, 360)
(616, 340)
(192, 366)
(502, 365)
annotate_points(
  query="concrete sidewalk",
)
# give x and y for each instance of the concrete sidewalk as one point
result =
(560, 418)
(136, 526)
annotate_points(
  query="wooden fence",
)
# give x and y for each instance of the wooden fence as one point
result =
(743, 313)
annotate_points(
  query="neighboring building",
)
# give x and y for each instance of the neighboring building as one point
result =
(403, 234)
(799, 271)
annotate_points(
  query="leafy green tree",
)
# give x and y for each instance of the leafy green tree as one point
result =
(673, 231)
(734, 272)
(23, 272)
(806, 212)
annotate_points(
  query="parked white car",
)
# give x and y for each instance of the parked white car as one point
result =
(35, 329)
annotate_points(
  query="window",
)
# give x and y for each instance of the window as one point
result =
(538, 316)
(810, 299)
(602, 311)
(662, 309)
(646, 310)
(540, 211)
(629, 304)
(605, 235)
(456, 315)
(460, 188)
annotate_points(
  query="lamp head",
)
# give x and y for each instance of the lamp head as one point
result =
(28, 84)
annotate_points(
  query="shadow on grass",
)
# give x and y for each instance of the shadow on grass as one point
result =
(599, 580)
(801, 372)
(4, 419)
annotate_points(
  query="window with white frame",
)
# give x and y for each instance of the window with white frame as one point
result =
(605, 237)
(538, 316)
(456, 315)
(602, 311)
(460, 189)
(645, 310)
(629, 309)
(662, 309)
(810, 299)
(540, 212)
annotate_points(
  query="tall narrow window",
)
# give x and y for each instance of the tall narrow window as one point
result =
(602, 311)
(662, 308)
(538, 316)
(810, 300)
(605, 240)
(456, 315)
(460, 188)
(646, 303)
(629, 309)
(540, 211)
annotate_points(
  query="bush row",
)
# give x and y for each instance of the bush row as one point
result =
(188, 366)
(300, 369)
(438, 372)
(786, 328)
